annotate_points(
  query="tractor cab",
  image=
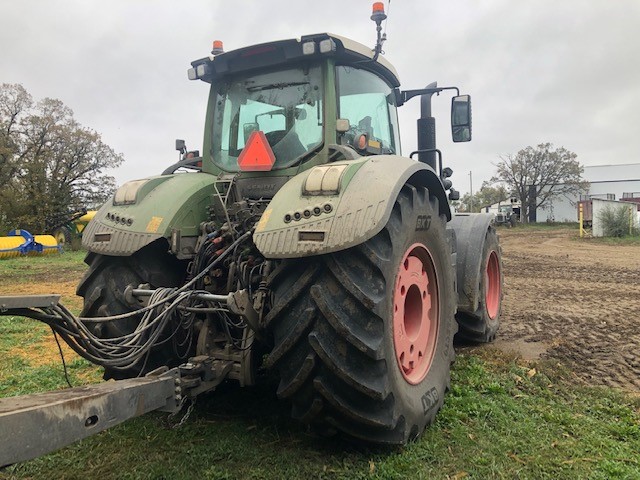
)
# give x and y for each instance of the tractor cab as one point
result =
(304, 95)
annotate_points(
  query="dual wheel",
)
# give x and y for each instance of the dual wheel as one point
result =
(481, 325)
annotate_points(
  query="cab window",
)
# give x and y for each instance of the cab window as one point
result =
(286, 105)
(368, 103)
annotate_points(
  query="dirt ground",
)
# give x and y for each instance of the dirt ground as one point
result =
(572, 300)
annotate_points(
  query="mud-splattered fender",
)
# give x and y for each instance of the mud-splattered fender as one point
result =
(336, 206)
(143, 211)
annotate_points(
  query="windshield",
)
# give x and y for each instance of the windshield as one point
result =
(285, 105)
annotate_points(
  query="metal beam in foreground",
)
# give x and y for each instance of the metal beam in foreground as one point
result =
(33, 425)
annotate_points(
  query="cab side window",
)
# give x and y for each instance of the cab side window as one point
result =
(369, 104)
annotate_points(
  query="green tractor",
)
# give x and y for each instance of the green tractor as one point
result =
(303, 242)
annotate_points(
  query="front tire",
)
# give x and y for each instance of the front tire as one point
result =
(364, 337)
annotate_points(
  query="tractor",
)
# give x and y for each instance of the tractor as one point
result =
(301, 241)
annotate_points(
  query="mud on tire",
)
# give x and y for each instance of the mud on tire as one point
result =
(103, 286)
(333, 326)
(482, 325)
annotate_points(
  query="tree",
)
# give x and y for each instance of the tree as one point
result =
(538, 175)
(49, 163)
(487, 195)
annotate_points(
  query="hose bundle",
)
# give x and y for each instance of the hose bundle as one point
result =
(168, 317)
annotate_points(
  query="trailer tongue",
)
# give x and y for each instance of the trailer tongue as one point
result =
(34, 425)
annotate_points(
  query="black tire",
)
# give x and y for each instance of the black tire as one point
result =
(103, 286)
(333, 328)
(482, 325)
(62, 236)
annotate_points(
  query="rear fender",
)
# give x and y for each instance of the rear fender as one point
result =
(142, 211)
(352, 213)
(470, 232)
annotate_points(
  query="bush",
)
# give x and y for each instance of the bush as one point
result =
(615, 221)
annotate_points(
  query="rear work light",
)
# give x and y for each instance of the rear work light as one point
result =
(309, 48)
(327, 45)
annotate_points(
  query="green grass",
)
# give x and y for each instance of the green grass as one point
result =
(497, 422)
(33, 268)
(626, 240)
(547, 226)
(26, 365)
(573, 226)
(19, 339)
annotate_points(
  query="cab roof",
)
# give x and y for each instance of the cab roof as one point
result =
(265, 55)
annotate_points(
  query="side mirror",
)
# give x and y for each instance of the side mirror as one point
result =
(461, 118)
(180, 146)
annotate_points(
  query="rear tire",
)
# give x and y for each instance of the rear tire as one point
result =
(103, 286)
(342, 349)
(482, 325)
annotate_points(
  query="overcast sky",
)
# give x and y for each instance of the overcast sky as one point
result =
(560, 71)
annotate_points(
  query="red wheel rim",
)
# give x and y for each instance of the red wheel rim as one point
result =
(492, 285)
(415, 313)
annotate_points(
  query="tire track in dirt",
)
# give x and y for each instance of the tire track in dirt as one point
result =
(579, 300)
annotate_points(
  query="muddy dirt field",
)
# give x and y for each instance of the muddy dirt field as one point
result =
(575, 301)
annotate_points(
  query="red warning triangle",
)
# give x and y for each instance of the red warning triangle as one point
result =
(256, 154)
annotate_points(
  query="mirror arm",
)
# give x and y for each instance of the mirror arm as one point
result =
(405, 95)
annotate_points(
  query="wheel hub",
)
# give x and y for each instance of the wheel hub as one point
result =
(415, 313)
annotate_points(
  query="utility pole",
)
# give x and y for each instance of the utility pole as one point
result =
(470, 192)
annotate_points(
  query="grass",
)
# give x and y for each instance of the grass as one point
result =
(32, 268)
(31, 362)
(573, 226)
(625, 240)
(547, 226)
(29, 357)
(503, 418)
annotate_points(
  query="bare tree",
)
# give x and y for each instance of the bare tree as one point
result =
(49, 163)
(539, 174)
(14, 102)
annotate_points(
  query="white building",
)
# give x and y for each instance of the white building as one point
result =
(608, 182)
